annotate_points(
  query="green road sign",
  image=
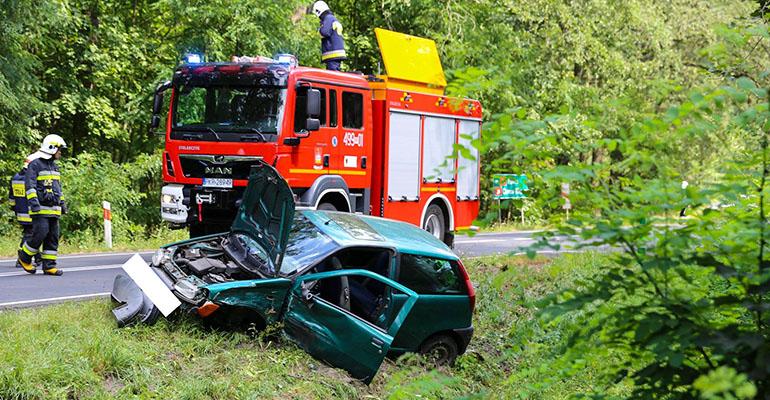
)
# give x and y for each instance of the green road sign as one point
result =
(509, 186)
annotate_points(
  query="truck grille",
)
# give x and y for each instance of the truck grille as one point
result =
(216, 166)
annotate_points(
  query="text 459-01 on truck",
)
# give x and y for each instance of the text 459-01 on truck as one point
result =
(379, 145)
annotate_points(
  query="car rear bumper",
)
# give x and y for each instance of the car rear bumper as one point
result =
(465, 335)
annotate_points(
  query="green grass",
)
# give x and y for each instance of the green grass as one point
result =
(87, 243)
(75, 350)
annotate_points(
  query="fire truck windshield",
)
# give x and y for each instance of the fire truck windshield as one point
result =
(228, 113)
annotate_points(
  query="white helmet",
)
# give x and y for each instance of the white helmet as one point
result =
(320, 7)
(52, 144)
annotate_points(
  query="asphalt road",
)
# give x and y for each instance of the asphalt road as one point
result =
(91, 275)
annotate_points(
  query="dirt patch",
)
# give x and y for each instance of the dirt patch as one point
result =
(113, 385)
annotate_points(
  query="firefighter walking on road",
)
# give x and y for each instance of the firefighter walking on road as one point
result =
(18, 199)
(332, 43)
(42, 182)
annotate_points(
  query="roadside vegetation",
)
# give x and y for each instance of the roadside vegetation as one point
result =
(74, 350)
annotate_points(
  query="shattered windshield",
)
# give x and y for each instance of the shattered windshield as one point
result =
(228, 113)
(307, 244)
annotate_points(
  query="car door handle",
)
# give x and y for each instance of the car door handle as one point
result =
(377, 343)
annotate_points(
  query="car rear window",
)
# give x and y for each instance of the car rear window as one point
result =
(427, 275)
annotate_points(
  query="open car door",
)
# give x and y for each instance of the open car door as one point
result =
(327, 323)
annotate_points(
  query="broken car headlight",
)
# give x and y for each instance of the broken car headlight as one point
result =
(187, 289)
(159, 257)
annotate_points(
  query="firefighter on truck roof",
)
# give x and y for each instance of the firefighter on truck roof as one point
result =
(42, 182)
(332, 43)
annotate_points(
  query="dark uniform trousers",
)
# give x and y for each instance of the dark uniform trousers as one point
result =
(44, 232)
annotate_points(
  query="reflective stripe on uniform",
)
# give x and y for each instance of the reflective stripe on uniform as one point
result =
(49, 255)
(31, 193)
(332, 54)
(48, 177)
(23, 217)
(30, 251)
(12, 201)
(57, 173)
(45, 212)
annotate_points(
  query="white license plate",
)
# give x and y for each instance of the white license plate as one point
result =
(218, 182)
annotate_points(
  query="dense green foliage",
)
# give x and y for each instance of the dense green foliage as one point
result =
(510, 357)
(682, 310)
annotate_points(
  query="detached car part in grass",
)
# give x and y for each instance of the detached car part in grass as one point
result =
(349, 289)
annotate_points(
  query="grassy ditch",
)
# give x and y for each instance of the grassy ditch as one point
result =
(75, 351)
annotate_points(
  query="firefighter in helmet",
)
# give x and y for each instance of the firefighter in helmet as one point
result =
(332, 43)
(18, 198)
(42, 182)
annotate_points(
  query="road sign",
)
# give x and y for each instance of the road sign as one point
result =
(509, 186)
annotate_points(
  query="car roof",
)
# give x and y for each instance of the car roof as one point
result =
(362, 230)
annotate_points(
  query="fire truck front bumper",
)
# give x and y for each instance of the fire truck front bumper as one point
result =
(172, 207)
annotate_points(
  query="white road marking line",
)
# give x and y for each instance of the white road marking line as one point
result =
(70, 269)
(479, 241)
(13, 260)
(51, 299)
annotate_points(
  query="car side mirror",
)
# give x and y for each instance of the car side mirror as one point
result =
(313, 103)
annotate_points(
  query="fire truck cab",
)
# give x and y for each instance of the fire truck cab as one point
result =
(381, 145)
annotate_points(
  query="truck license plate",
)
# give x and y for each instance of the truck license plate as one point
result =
(218, 182)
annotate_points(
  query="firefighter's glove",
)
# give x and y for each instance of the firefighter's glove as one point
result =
(337, 27)
(64, 208)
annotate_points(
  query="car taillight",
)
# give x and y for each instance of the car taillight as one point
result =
(468, 285)
(169, 164)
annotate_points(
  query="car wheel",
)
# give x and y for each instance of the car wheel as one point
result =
(327, 207)
(434, 222)
(440, 350)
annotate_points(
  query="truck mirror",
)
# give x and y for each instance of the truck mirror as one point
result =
(313, 104)
(312, 124)
(155, 122)
(157, 103)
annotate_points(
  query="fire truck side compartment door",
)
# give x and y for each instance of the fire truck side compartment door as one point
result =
(404, 157)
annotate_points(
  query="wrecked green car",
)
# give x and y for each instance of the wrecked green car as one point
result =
(349, 289)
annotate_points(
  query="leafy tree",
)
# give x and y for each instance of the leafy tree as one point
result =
(684, 306)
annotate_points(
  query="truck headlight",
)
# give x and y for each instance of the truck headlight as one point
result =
(167, 198)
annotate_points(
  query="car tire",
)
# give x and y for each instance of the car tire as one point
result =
(440, 350)
(326, 207)
(434, 222)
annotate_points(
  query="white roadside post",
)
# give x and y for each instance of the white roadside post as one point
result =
(565, 194)
(107, 223)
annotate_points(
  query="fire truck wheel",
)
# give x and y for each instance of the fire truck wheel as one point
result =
(327, 207)
(434, 222)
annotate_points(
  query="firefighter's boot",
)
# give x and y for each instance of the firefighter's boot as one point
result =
(26, 266)
(53, 271)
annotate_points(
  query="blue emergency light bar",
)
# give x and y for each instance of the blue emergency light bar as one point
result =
(193, 58)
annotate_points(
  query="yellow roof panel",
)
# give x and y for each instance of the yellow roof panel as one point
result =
(410, 58)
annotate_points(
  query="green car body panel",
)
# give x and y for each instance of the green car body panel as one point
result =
(338, 337)
(265, 296)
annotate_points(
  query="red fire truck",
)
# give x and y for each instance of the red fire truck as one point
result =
(379, 145)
